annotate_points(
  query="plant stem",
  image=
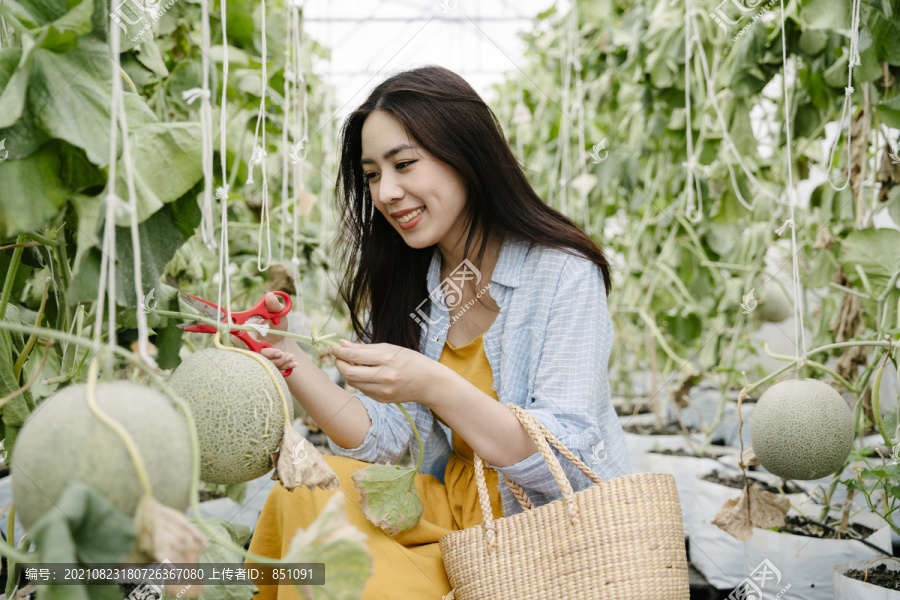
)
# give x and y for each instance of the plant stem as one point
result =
(876, 408)
(41, 239)
(20, 362)
(91, 398)
(11, 276)
(416, 431)
(296, 336)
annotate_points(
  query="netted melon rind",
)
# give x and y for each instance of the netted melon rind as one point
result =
(238, 412)
(63, 439)
(802, 429)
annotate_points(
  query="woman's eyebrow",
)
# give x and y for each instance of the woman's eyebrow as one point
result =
(388, 154)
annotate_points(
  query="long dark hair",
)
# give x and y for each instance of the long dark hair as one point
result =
(445, 116)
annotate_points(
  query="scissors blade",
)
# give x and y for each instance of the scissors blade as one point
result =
(202, 307)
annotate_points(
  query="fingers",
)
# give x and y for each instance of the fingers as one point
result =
(282, 360)
(273, 302)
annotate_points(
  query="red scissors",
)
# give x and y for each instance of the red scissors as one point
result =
(257, 313)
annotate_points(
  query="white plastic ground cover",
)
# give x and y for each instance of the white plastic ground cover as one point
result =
(685, 469)
(717, 555)
(806, 563)
(847, 588)
(636, 445)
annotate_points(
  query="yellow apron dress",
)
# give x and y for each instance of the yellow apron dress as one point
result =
(408, 565)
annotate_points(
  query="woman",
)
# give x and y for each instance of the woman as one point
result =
(426, 176)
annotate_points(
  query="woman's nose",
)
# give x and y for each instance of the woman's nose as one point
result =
(389, 189)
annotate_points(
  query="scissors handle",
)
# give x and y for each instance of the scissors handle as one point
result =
(259, 310)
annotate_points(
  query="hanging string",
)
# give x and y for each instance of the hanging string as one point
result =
(799, 330)
(259, 155)
(853, 60)
(286, 112)
(222, 192)
(107, 283)
(692, 213)
(207, 231)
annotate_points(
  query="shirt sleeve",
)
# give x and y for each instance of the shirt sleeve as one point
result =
(570, 385)
(390, 433)
(387, 438)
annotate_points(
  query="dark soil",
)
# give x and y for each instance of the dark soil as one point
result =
(667, 429)
(737, 482)
(712, 452)
(204, 496)
(801, 526)
(878, 575)
(629, 410)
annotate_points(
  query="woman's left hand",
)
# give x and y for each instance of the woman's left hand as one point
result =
(385, 372)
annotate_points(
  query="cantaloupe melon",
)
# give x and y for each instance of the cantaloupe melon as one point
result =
(62, 438)
(238, 412)
(774, 305)
(801, 429)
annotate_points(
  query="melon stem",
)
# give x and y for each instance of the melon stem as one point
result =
(91, 397)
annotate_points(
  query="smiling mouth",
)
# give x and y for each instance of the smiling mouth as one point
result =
(409, 217)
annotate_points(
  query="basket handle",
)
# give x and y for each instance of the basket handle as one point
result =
(540, 435)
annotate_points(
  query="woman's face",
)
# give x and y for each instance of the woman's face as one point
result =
(405, 181)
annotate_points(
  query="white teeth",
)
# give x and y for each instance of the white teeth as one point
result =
(411, 216)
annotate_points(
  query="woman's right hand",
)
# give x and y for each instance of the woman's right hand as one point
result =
(282, 352)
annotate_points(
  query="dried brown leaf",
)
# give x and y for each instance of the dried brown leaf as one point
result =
(165, 534)
(748, 458)
(754, 508)
(297, 462)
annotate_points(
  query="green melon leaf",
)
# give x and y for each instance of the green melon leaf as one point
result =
(389, 497)
(169, 149)
(877, 251)
(86, 528)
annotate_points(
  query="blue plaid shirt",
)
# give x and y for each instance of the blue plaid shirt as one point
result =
(548, 349)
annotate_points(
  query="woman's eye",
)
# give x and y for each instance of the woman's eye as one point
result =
(369, 176)
(404, 164)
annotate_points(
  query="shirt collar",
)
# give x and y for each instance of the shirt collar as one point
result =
(507, 271)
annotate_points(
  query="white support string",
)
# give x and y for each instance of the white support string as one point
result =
(222, 192)
(799, 330)
(846, 108)
(692, 179)
(207, 230)
(259, 154)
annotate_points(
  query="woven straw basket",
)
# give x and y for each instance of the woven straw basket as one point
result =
(617, 540)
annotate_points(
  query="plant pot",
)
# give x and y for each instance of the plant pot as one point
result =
(849, 588)
(806, 563)
(717, 555)
(685, 469)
